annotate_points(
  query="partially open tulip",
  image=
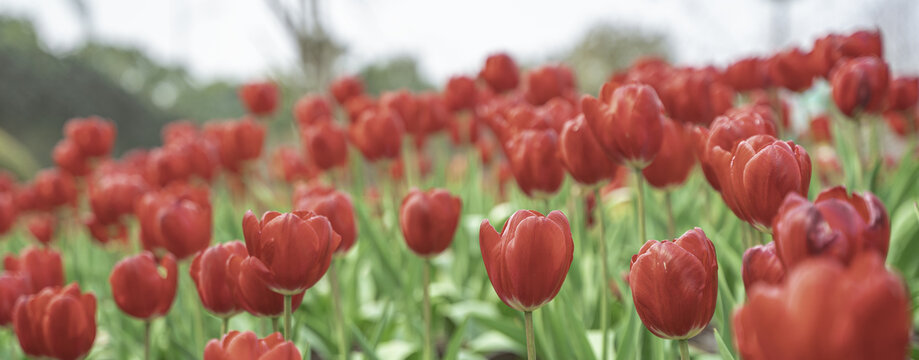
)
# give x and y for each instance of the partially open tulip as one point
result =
(291, 251)
(533, 156)
(836, 225)
(428, 220)
(177, 219)
(627, 122)
(311, 110)
(460, 93)
(251, 290)
(824, 310)
(345, 88)
(216, 287)
(675, 160)
(582, 155)
(260, 98)
(529, 260)
(903, 93)
(335, 206)
(860, 85)
(675, 284)
(761, 265)
(42, 266)
(547, 82)
(725, 132)
(326, 145)
(141, 289)
(500, 73)
(377, 134)
(246, 345)
(93, 136)
(12, 286)
(58, 323)
(42, 228)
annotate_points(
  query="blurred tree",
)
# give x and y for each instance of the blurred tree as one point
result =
(400, 72)
(606, 48)
(316, 49)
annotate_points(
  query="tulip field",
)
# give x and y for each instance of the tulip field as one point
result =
(762, 210)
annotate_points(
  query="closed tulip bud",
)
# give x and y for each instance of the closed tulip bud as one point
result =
(287, 165)
(335, 206)
(12, 286)
(42, 266)
(529, 260)
(42, 228)
(358, 105)
(138, 287)
(428, 220)
(548, 82)
(582, 155)
(533, 156)
(68, 158)
(113, 196)
(260, 98)
(216, 287)
(345, 88)
(93, 136)
(747, 74)
(860, 84)
(696, 95)
(185, 226)
(251, 289)
(326, 145)
(824, 310)
(8, 211)
(378, 135)
(54, 188)
(57, 323)
(726, 131)
(903, 94)
(675, 285)
(237, 141)
(405, 105)
(820, 129)
(237, 345)
(627, 122)
(675, 160)
(311, 110)
(291, 251)
(761, 265)
(836, 225)
(791, 69)
(460, 93)
(862, 43)
(500, 73)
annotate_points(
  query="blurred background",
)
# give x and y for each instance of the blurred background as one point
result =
(144, 63)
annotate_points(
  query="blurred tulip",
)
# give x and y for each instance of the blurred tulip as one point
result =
(675, 160)
(901, 124)
(181, 160)
(177, 218)
(334, 205)
(291, 251)
(12, 287)
(358, 105)
(533, 156)
(791, 69)
(237, 141)
(345, 88)
(237, 345)
(260, 98)
(311, 110)
(93, 136)
(326, 145)
(824, 310)
(860, 84)
(820, 129)
(460, 93)
(582, 155)
(627, 123)
(54, 188)
(138, 287)
(547, 82)
(761, 265)
(747, 74)
(903, 94)
(428, 220)
(696, 96)
(500, 73)
(251, 290)
(179, 132)
(675, 285)
(113, 196)
(287, 165)
(216, 287)
(8, 211)
(41, 227)
(57, 323)
(529, 260)
(67, 157)
(378, 135)
(405, 105)
(726, 131)
(862, 43)
(106, 232)
(42, 266)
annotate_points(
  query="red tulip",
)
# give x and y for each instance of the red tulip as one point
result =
(902, 124)
(825, 54)
(251, 289)
(54, 188)
(103, 233)
(862, 43)
(747, 74)
(460, 93)
(216, 287)
(335, 206)
(311, 110)
(346, 88)
(180, 160)
(836, 225)
(675, 160)
(115, 195)
(67, 157)
(237, 141)
(42, 227)
(675, 284)
(326, 145)
(12, 287)
(8, 211)
(696, 96)
(791, 69)
(93, 136)
(500, 73)
(260, 98)
(548, 82)
(405, 105)
(177, 218)
(627, 122)
(761, 265)
(138, 287)
(820, 129)
(58, 323)
(377, 134)
(582, 155)
(237, 345)
(824, 310)
(528, 261)
(291, 251)
(860, 84)
(726, 131)
(287, 165)
(533, 156)
(428, 220)
(42, 266)
(903, 93)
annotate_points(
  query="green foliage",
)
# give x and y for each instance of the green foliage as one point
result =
(400, 72)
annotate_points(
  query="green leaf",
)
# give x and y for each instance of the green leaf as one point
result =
(723, 349)
(366, 347)
(453, 346)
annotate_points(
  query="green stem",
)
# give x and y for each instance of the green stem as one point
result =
(684, 350)
(224, 325)
(531, 344)
(426, 273)
(146, 340)
(671, 222)
(604, 289)
(274, 325)
(339, 319)
(288, 316)
(640, 185)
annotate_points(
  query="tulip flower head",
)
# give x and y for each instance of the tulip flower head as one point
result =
(12, 286)
(246, 345)
(139, 287)
(500, 73)
(762, 265)
(335, 206)
(57, 322)
(346, 88)
(41, 265)
(250, 289)
(628, 123)
(672, 165)
(260, 98)
(216, 287)
(428, 220)
(533, 156)
(861, 85)
(582, 155)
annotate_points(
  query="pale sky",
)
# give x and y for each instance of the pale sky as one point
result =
(241, 39)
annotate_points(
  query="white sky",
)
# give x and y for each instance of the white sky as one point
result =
(241, 39)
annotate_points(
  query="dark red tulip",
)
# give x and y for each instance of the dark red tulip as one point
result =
(529, 260)
(177, 218)
(406, 106)
(428, 220)
(216, 287)
(115, 195)
(291, 251)
(696, 95)
(862, 43)
(106, 232)
(860, 84)
(500, 73)
(836, 225)
(791, 69)
(824, 310)
(761, 265)
(825, 54)
(8, 211)
(67, 157)
(260, 98)
(93, 136)
(675, 160)
(903, 94)
(582, 155)
(820, 129)
(42, 228)
(326, 145)
(377, 134)
(433, 114)
(237, 141)
(358, 105)
(335, 206)
(237, 345)
(182, 159)
(58, 323)
(311, 110)
(627, 122)
(54, 188)
(42, 266)
(345, 88)
(289, 166)
(251, 290)
(547, 82)
(726, 131)
(747, 74)
(902, 124)
(142, 288)
(675, 284)
(12, 286)
(460, 93)
(533, 156)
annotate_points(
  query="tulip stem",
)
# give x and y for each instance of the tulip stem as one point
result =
(604, 289)
(288, 318)
(531, 343)
(640, 185)
(146, 340)
(426, 274)
(225, 325)
(339, 319)
(671, 222)
(684, 350)
(274, 324)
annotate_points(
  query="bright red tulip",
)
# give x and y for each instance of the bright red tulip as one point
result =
(529, 260)
(335, 206)
(675, 160)
(326, 145)
(93, 136)
(861, 85)
(582, 155)
(500, 73)
(345, 88)
(761, 265)
(726, 131)
(141, 289)
(58, 323)
(12, 286)
(747, 74)
(428, 220)
(460, 93)
(791, 69)
(627, 122)
(675, 284)
(42, 266)
(260, 98)
(67, 157)
(533, 156)
(177, 218)
(251, 289)
(42, 228)
(378, 135)
(216, 287)
(547, 82)
(311, 110)
(291, 251)
(903, 93)
(237, 345)
(824, 310)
